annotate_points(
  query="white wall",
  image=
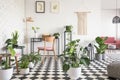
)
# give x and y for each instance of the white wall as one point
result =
(109, 27)
(12, 15)
(50, 22)
(110, 4)
(11, 19)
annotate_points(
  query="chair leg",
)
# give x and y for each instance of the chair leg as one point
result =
(55, 55)
(16, 62)
(48, 54)
(38, 51)
(42, 61)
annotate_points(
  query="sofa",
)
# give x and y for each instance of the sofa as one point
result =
(112, 41)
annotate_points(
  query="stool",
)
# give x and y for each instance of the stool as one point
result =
(113, 69)
(9, 55)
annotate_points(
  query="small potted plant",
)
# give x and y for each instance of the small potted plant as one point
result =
(100, 47)
(24, 65)
(5, 68)
(68, 28)
(73, 58)
(35, 29)
(56, 35)
(33, 59)
(13, 41)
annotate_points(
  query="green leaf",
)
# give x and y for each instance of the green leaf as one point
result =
(11, 50)
(85, 61)
(66, 67)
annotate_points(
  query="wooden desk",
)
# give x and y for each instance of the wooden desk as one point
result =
(32, 41)
(35, 40)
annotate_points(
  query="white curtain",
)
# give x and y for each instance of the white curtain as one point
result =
(82, 23)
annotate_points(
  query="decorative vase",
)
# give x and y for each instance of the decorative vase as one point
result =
(36, 35)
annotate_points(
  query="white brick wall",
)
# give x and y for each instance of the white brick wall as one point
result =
(11, 19)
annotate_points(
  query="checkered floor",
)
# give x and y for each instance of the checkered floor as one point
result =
(52, 70)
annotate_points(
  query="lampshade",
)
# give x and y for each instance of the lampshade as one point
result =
(116, 19)
(29, 19)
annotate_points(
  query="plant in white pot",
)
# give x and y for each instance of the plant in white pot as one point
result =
(33, 58)
(73, 58)
(100, 48)
(6, 71)
(24, 65)
(35, 29)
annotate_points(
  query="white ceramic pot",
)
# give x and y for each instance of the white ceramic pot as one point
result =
(36, 35)
(6, 74)
(31, 65)
(24, 71)
(74, 73)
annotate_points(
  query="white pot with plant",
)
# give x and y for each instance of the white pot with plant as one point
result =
(100, 48)
(5, 68)
(73, 58)
(24, 69)
(33, 58)
(35, 29)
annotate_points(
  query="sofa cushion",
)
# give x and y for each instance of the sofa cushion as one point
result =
(110, 40)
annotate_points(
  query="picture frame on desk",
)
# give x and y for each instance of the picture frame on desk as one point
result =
(40, 6)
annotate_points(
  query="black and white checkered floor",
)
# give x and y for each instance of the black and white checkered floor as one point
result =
(52, 70)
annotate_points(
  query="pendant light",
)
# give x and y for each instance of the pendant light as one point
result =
(116, 19)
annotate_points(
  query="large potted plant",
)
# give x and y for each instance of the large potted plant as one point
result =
(6, 70)
(100, 48)
(13, 41)
(73, 58)
(24, 65)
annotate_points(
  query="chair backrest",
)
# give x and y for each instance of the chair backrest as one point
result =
(45, 35)
(50, 39)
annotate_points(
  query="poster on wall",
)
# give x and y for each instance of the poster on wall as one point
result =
(55, 6)
(40, 6)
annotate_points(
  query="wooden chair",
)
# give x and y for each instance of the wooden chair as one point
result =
(48, 39)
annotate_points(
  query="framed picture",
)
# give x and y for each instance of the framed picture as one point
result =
(55, 6)
(40, 6)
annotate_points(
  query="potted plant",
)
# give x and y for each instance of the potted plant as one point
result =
(13, 41)
(35, 29)
(56, 35)
(24, 65)
(73, 58)
(33, 58)
(5, 68)
(68, 28)
(100, 47)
